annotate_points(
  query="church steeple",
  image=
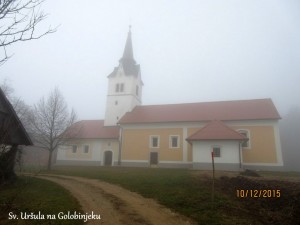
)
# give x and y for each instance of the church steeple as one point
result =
(124, 86)
(127, 61)
(128, 52)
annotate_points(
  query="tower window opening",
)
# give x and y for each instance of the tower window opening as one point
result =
(121, 87)
(117, 87)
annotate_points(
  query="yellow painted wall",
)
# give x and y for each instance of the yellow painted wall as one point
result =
(190, 147)
(262, 147)
(136, 144)
(190, 154)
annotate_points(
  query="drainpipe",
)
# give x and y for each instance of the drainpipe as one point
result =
(120, 146)
(240, 157)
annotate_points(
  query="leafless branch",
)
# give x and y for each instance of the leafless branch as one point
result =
(19, 20)
(50, 120)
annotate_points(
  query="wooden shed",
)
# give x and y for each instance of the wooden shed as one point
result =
(12, 134)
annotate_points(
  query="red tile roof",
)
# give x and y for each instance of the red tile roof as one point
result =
(216, 130)
(206, 111)
(92, 129)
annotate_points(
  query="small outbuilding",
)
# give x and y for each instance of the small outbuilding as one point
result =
(223, 141)
(12, 134)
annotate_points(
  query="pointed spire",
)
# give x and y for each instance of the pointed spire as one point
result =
(127, 61)
(128, 52)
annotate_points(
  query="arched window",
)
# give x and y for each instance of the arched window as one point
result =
(117, 87)
(122, 87)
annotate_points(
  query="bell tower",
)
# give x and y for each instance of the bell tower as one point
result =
(124, 86)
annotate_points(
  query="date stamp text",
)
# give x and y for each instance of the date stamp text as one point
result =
(252, 193)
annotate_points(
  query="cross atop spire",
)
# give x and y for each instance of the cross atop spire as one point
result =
(128, 52)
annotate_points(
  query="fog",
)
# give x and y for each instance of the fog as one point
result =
(204, 50)
(290, 139)
(189, 51)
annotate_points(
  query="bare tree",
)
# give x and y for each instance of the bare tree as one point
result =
(6, 88)
(19, 20)
(50, 120)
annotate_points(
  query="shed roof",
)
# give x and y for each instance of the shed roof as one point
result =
(257, 109)
(216, 130)
(92, 129)
(12, 131)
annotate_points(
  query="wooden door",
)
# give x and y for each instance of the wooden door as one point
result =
(153, 158)
(108, 158)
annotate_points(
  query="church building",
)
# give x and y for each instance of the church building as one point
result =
(239, 134)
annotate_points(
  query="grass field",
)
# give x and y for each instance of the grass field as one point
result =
(173, 188)
(185, 191)
(189, 193)
(35, 195)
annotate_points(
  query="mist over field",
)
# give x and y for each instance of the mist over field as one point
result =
(290, 139)
(189, 51)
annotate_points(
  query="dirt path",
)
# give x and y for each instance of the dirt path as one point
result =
(116, 205)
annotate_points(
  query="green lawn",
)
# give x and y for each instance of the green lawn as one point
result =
(182, 190)
(30, 194)
(189, 193)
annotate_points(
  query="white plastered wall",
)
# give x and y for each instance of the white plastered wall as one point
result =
(229, 151)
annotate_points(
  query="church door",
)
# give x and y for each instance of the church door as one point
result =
(107, 158)
(153, 158)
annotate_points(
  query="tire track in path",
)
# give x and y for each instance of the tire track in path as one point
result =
(116, 205)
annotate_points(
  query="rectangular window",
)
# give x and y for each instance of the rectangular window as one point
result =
(86, 149)
(74, 148)
(174, 141)
(217, 151)
(121, 87)
(117, 87)
(154, 141)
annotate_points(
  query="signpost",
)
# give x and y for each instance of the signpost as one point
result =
(213, 181)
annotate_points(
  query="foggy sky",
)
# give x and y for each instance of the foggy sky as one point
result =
(189, 51)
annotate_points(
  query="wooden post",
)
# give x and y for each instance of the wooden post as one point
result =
(213, 181)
